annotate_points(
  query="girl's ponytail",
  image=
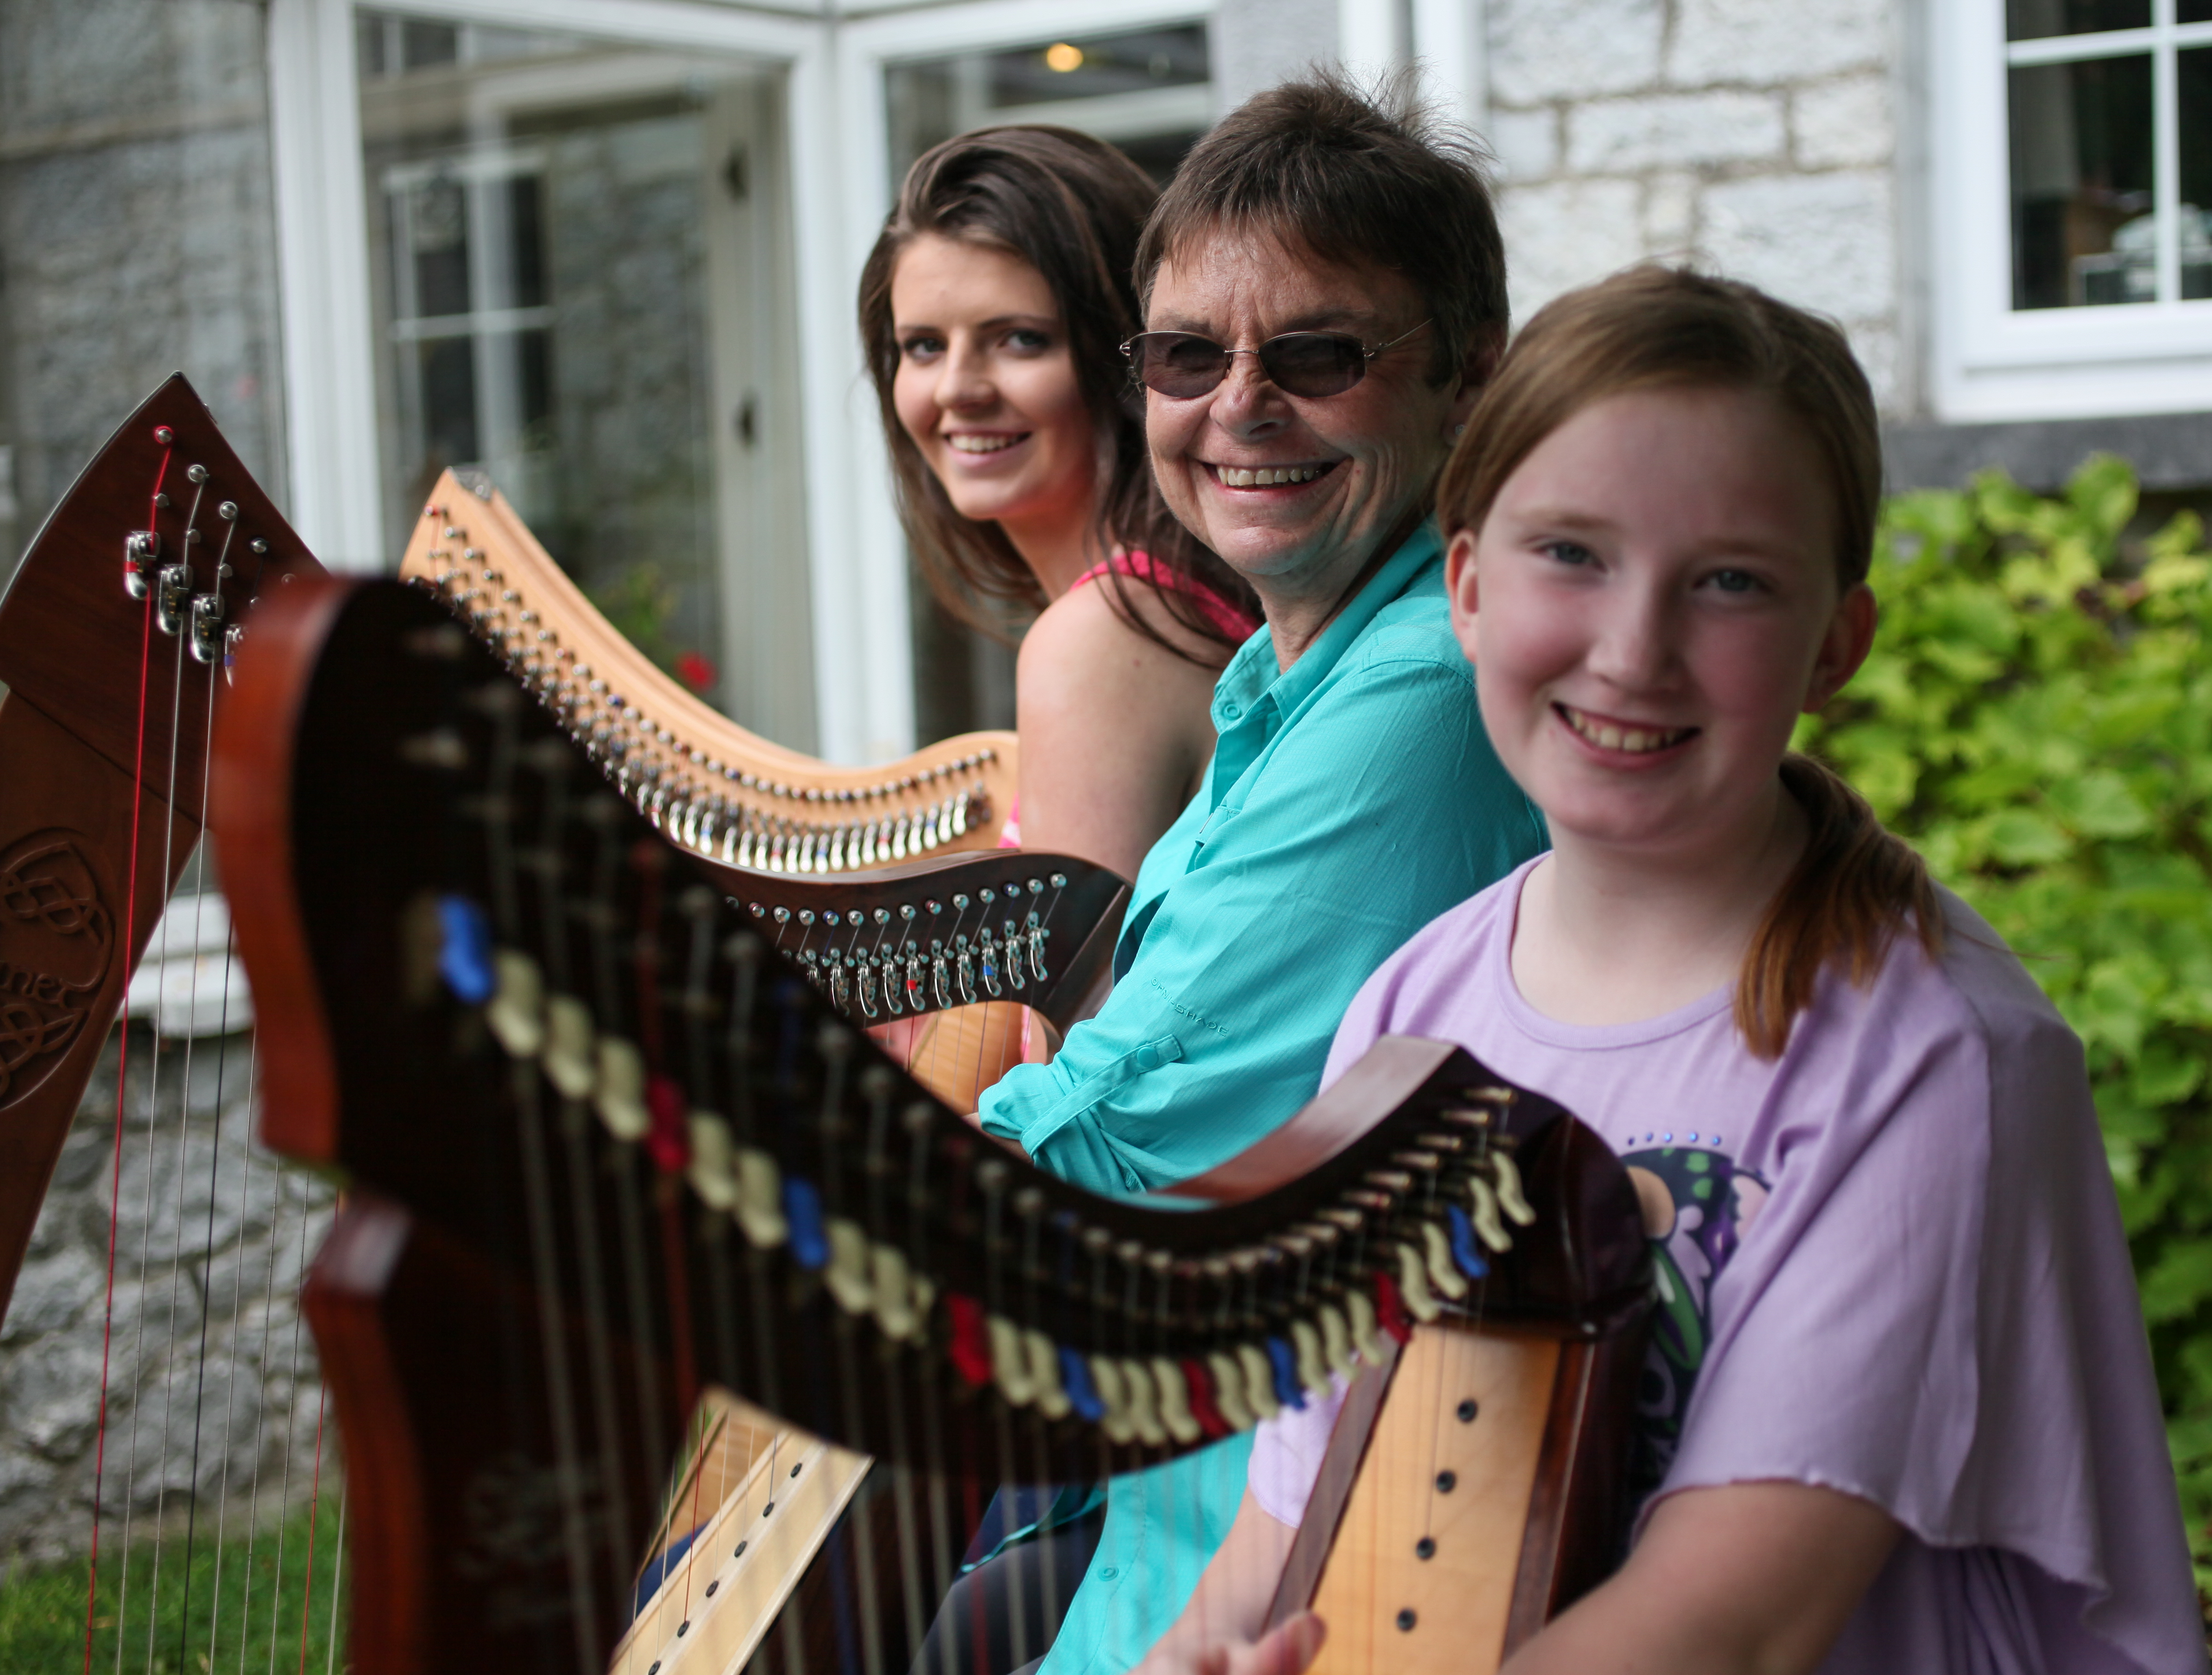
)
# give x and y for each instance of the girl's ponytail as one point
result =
(1855, 887)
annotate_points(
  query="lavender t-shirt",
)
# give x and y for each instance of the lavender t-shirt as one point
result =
(1890, 1262)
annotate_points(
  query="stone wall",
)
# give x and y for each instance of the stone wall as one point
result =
(136, 234)
(1755, 137)
(208, 1352)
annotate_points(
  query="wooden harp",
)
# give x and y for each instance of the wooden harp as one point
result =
(118, 638)
(526, 1297)
(705, 782)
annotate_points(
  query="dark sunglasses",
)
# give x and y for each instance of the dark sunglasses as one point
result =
(1180, 365)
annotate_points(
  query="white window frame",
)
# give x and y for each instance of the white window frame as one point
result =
(1992, 361)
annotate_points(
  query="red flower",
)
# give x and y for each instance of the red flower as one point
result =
(695, 671)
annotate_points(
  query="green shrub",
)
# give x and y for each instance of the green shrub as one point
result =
(2037, 719)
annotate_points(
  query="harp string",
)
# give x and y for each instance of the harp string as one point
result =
(214, 1169)
(122, 1075)
(153, 1139)
(548, 858)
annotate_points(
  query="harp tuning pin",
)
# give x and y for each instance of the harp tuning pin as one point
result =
(164, 435)
(227, 512)
(258, 546)
(195, 473)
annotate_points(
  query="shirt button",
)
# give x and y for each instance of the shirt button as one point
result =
(1232, 710)
(1107, 1573)
(1148, 1058)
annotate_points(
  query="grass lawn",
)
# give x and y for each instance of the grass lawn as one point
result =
(248, 1623)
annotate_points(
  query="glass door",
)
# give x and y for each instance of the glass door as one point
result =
(580, 291)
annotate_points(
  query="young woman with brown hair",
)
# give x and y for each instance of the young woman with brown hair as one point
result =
(993, 308)
(1899, 1412)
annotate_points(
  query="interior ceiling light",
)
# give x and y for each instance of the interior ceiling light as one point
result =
(1063, 58)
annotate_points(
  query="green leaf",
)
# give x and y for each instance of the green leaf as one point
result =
(2165, 1074)
(2179, 1280)
(2022, 837)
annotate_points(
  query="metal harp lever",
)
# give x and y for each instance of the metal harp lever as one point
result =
(207, 638)
(140, 549)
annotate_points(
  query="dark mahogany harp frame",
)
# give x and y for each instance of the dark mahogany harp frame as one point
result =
(519, 1306)
(115, 637)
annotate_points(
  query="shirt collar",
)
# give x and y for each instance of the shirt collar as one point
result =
(1252, 677)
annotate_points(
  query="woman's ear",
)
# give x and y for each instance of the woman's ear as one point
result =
(1844, 648)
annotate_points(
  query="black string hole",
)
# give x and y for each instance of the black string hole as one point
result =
(1426, 1548)
(711, 1587)
(1447, 1482)
(683, 1628)
(740, 1553)
(1407, 1619)
(766, 1509)
(1467, 1409)
(794, 1470)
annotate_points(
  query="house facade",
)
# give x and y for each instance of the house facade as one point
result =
(605, 250)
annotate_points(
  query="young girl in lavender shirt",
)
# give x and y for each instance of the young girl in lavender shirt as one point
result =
(1899, 1416)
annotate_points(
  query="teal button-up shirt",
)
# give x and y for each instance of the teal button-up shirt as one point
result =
(1352, 797)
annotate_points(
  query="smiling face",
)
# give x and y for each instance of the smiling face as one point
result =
(987, 387)
(1650, 604)
(1296, 493)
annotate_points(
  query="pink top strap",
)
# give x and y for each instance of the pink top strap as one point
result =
(1232, 620)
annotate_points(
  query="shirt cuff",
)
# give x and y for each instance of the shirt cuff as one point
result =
(1010, 1116)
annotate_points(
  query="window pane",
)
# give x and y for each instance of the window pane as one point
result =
(567, 276)
(2082, 230)
(2033, 20)
(1148, 91)
(2193, 11)
(2196, 79)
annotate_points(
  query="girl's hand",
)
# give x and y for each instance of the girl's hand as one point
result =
(1284, 1651)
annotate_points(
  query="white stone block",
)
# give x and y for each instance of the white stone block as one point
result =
(1875, 343)
(1543, 49)
(1561, 236)
(1773, 40)
(1525, 143)
(1673, 130)
(53, 1293)
(1823, 241)
(1841, 122)
(1670, 214)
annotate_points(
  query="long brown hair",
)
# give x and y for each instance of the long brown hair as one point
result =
(1855, 885)
(1072, 207)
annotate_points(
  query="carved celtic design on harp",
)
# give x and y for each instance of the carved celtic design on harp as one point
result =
(704, 782)
(546, 1267)
(118, 637)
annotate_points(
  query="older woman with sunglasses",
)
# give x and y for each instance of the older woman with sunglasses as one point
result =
(1325, 294)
